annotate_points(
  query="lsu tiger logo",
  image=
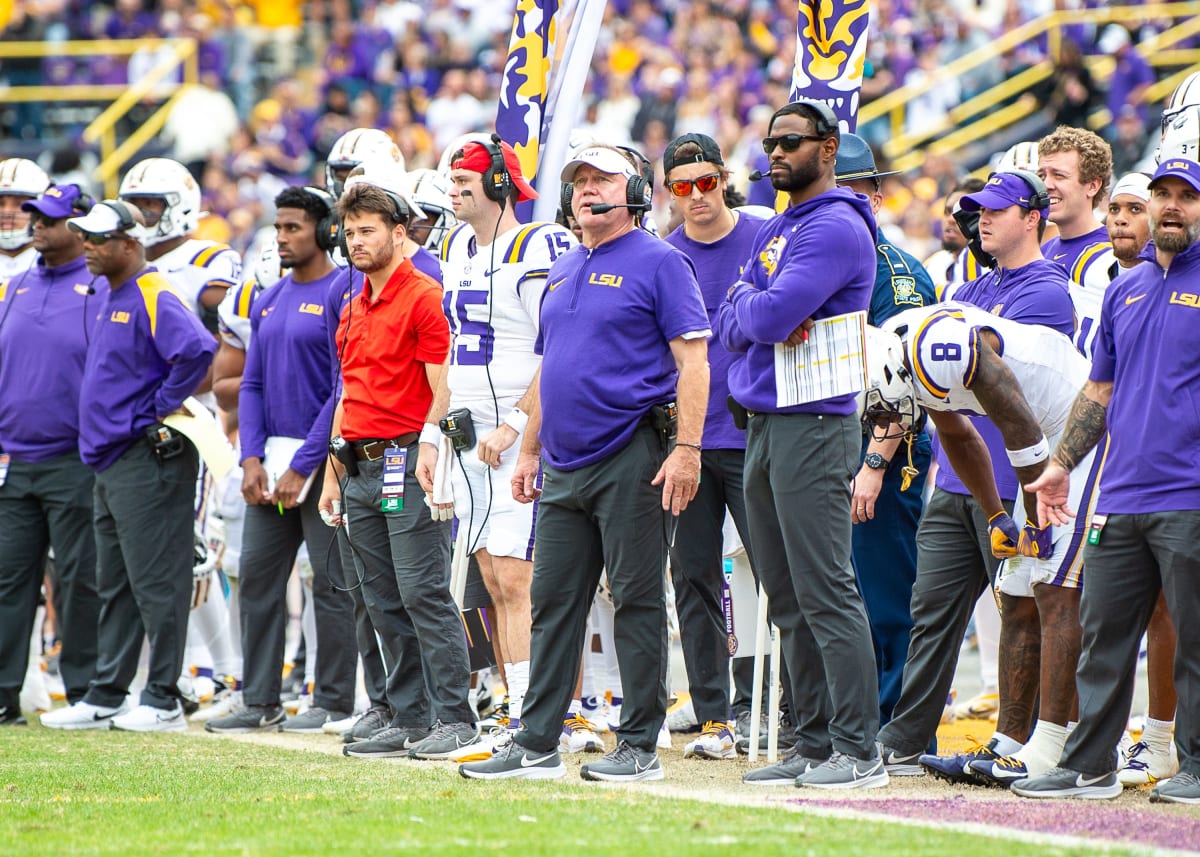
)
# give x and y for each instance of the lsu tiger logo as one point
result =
(771, 254)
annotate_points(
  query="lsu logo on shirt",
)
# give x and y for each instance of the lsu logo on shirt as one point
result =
(119, 316)
(312, 309)
(1185, 299)
(772, 253)
(612, 280)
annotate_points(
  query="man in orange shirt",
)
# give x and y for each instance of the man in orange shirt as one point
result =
(392, 341)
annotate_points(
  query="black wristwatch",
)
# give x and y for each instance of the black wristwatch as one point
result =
(875, 461)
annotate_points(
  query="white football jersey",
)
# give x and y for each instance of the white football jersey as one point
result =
(23, 261)
(233, 314)
(493, 298)
(195, 265)
(1090, 276)
(941, 344)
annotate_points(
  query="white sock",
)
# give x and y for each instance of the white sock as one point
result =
(1158, 733)
(1045, 747)
(1004, 745)
(518, 684)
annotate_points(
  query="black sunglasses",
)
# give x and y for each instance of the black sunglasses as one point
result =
(99, 238)
(44, 219)
(788, 142)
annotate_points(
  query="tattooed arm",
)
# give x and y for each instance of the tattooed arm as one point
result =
(1086, 426)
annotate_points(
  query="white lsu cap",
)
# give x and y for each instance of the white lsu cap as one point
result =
(110, 217)
(604, 159)
(1134, 184)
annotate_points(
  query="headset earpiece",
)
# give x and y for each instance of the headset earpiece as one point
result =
(497, 181)
(825, 122)
(328, 228)
(1039, 196)
(566, 193)
(83, 203)
(126, 221)
(639, 190)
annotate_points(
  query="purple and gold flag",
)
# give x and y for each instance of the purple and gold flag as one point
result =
(831, 48)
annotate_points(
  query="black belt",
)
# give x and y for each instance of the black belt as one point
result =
(373, 450)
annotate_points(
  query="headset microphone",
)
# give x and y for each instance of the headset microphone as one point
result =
(604, 207)
(757, 176)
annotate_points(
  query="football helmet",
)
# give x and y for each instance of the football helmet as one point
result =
(354, 147)
(431, 190)
(889, 399)
(1186, 95)
(170, 181)
(268, 270)
(1020, 156)
(21, 178)
(1181, 136)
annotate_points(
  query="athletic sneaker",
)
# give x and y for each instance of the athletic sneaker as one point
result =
(956, 768)
(1143, 764)
(741, 742)
(223, 704)
(497, 718)
(337, 727)
(1184, 787)
(311, 722)
(1062, 782)
(681, 717)
(147, 718)
(985, 706)
(483, 749)
(445, 739)
(1001, 772)
(663, 742)
(625, 764)
(12, 716)
(784, 772)
(368, 726)
(82, 715)
(715, 742)
(248, 718)
(389, 743)
(579, 735)
(516, 762)
(900, 764)
(840, 771)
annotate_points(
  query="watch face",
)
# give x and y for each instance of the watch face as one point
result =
(875, 461)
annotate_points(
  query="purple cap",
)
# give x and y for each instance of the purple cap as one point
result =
(57, 201)
(1180, 168)
(1003, 190)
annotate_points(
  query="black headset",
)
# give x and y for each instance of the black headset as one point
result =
(327, 225)
(497, 181)
(566, 193)
(639, 190)
(1040, 197)
(825, 122)
(126, 221)
(83, 203)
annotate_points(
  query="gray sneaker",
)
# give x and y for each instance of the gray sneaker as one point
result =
(900, 764)
(1184, 787)
(1063, 782)
(248, 718)
(446, 738)
(370, 724)
(625, 764)
(512, 761)
(387, 743)
(783, 772)
(312, 720)
(845, 772)
(741, 743)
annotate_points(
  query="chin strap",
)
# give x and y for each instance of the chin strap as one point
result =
(908, 473)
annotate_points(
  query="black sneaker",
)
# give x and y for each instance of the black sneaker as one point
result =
(625, 764)
(786, 740)
(444, 740)
(11, 715)
(248, 718)
(371, 723)
(389, 743)
(784, 772)
(311, 721)
(512, 761)
(957, 768)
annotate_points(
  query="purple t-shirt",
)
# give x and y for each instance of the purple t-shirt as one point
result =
(288, 379)
(608, 317)
(1036, 293)
(1066, 251)
(148, 353)
(718, 266)
(1146, 346)
(43, 342)
(815, 260)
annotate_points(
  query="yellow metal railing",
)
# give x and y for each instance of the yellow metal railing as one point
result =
(155, 87)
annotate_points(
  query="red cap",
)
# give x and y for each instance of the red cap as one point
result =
(477, 159)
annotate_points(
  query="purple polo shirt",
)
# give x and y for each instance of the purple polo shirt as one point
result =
(608, 316)
(43, 342)
(148, 353)
(1066, 251)
(718, 266)
(288, 376)
(1033, 294)
(1146, 346)
(815, 260)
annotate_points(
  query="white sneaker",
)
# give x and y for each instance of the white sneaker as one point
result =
(715, 742)
(664, 737)
(82, 715)
(1144, 764)
(579, 736)
(483, 749)
(337, 727)
(299, 705)
(34, 696)
(223, 705)
(681, 717)
(147, 718)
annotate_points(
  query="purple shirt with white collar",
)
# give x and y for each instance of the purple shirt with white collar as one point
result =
(148, 353)
(43, 342)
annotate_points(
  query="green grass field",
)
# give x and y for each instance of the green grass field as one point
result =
(117, 793)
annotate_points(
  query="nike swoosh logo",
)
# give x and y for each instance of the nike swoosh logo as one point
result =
(530, 761)
(1133, 299)
(98, 716)
(556, 284)
(868, 772)
(1083, 781)
(1059, 255)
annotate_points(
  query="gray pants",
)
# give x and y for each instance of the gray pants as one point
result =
(405, 557)
(48, 504)
(798, 472)
(954, 567)
(375, 674)
(604, 516)
(270, 541)
(145, 538)
(1138, 555)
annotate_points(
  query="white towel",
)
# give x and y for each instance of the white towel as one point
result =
(443, 490)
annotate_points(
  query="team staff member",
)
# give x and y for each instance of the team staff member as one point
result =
(890, 484)
(717, 239)
(393, 340)
(495, 273)
(797, 453)
(147, 353)
(623, 332)
(1138, 395)
(285, 384)
(46, 493)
